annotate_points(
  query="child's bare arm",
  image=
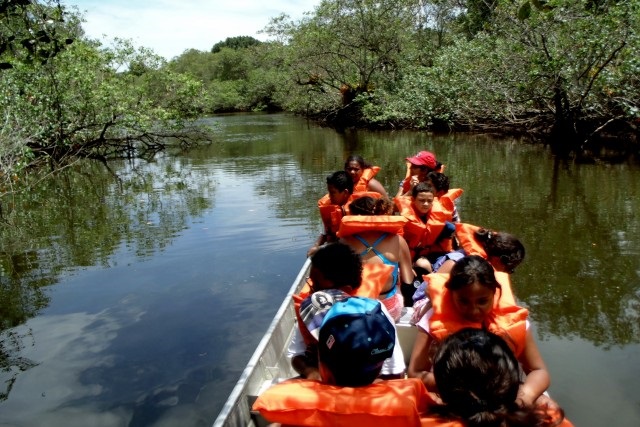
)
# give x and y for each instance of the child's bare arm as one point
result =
(420, 363)
(537, 380)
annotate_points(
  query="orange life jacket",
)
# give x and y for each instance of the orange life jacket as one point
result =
(304, 402)
(392, 403)
(374, 277)
(354, 224)
(367, 175)
(466, 235)
(421, 237)
(391, 224)
(506, 319)
(331, 214)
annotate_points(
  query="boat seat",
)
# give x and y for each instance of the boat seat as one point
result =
(407, 333)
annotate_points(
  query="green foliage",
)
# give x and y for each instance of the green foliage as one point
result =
(246, 79)
(226, 96)
(541, 64)
(347, 47)
(558, 65)
(235, 43)
(33, 32)
(195, 63)
(477, 16)
(85, 103)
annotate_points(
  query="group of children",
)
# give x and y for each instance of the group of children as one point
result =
(474, 356)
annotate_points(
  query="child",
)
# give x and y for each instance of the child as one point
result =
(478, 381)
(335, 204)
(416, 209)
(373, 233)
(332, 207)
(355, 340)
(429, 230)
(468, 298)
(504, 251)
(335, 272)
(419, 166)
(363, 175)
(440, 183)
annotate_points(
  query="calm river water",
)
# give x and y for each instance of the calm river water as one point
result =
(135, 298)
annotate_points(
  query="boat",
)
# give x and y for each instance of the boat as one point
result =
(269, 363)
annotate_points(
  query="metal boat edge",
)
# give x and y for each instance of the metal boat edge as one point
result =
(267, 365)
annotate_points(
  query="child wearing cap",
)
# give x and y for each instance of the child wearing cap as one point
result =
(335, 268)
(356, 339)
(419, 166)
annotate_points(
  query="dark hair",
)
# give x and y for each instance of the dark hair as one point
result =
(478, 378)
(422, 187)
(469, 270)
(341, 181)
(339, 264)
(503, 245)
(439, 181)
(368, 205)
(355, 158)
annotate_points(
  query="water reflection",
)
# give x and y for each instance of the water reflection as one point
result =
(81, 217)
(137, 300)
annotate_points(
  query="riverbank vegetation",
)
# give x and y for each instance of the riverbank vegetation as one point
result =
(64, 96)
(561, 71)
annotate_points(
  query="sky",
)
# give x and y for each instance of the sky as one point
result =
(170, 27)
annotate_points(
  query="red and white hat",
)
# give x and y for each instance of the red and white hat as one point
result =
(424, 158)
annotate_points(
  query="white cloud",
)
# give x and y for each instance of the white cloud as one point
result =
(170, 27)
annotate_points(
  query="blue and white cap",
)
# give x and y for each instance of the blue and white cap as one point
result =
(355, 338)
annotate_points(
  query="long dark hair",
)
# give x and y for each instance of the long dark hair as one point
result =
(507, 247)
(478, 378)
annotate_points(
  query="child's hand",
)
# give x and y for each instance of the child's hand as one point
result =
(547, 403)
(524, 399)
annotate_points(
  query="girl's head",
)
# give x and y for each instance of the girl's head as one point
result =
(478, 379)
(354, 166)
(369, 206)
(473, 286)
(504, 250)
(334, 266)
(423, 163)
(423, 196)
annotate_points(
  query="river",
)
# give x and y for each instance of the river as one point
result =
(135, 296)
